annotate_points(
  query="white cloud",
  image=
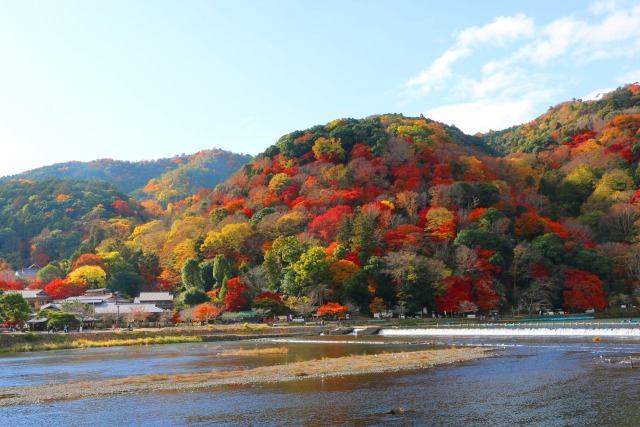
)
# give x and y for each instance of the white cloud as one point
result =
(602, 6)
(617, 34)
(632, 76)
(596, 94)
(493, 83)
(504, 89)
(500, 31)
(438, 72)
(486, 114)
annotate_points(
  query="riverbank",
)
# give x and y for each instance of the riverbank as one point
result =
(23, 342)
(319, 368)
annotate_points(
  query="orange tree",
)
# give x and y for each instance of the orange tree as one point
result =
(206, 312)
(332, 309)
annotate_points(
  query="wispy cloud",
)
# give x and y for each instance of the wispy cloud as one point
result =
(504, 112)
(618, 34)
(500, 31)
(503, 89)
(632, 76)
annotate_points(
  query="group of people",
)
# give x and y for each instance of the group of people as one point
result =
(65, 329)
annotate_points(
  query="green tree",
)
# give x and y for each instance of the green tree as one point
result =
(194, 292)
(14, 307)
(550, 246)
(221, 268)
(278, 264)
(206, 271)
(50, 272)
(312, 269)
(191, 275)
(60, 319)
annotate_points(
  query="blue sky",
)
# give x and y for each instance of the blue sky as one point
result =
(134, 80)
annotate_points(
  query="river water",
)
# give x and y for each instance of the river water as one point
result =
(533, 380)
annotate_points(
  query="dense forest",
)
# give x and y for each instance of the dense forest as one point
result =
(382, 212)
(162, 180)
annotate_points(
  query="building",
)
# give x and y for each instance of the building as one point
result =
(163, 300)
(29, 274)
(128, 313)
(36, 298)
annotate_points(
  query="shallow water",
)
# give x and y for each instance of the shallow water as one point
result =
(568, 382)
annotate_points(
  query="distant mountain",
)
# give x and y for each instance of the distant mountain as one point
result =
(49, 220)
(165, 180)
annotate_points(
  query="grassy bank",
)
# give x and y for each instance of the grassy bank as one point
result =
(22, 342)
(69, 342)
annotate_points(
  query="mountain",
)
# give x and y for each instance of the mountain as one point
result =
(42, 221)
(562, 123)
(165, 180)
(400, 212)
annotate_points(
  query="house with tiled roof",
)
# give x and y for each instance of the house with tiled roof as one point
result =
(28, 274)
(36, 297)
(163, 300)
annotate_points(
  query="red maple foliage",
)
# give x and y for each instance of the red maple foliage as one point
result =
(122, 208)
(459, 290)
(583, 290)
(235, 299)
(206, 312)
(269, 295)
(59, 289)
(332, 309)
(326, 225)
(11, 286)
(89, 259)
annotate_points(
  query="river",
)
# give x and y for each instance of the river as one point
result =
(539, 381)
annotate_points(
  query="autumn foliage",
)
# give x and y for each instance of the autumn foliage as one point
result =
(332, 309)
(388, 208)
(583, 290)
(205, 312)
(61, 289)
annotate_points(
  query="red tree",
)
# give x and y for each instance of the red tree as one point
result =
(59, 289)
(122, 208)
(459, 290)
(11, 286)
(235, 300)
(89, 259)
(332, 309)
(206, 312)
(326, 224)
(583, 290)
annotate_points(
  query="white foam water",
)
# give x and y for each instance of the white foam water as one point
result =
(513, 332)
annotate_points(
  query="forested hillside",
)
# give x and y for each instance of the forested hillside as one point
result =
(393, 211)
(164, 180)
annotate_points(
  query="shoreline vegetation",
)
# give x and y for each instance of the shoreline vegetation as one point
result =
(182, 382)
(26, 342)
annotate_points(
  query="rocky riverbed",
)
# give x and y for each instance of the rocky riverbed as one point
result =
(319, 368)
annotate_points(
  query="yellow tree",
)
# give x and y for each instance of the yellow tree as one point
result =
(328, 149)
(230, 238)
(279, 182)
(440, 224)
(342, 270)
(91, 275)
